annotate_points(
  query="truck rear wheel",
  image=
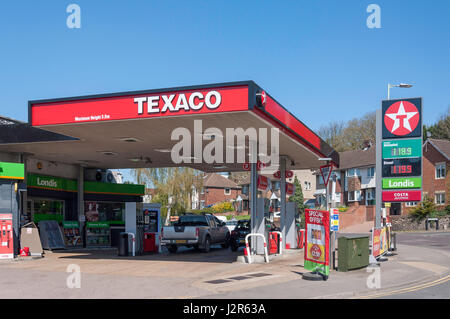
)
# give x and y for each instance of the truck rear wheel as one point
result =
(226, 244)
(207, 247)
(172, 248)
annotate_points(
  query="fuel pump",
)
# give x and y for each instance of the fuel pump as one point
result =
(152, 226)
(6, 237)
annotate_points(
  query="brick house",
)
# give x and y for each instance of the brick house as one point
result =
(436, 180)
(216, 189)
(352, 185)
(305, 177)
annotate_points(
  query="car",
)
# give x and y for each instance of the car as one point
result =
(237, 238)
(231, 224)
(198, 231)
(242, 229)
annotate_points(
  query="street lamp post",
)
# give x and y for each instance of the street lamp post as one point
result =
(401, 85)
(378, 186)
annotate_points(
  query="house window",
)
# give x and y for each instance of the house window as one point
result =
(202, 191)
(439, 198)
(227, 191)
(202, 204)
(440, 170)
(321, 182)
(370, 196)
(353, 172)
(337, 197)
(354, 196)
(411, 204)
(307, 186)
(371, 172)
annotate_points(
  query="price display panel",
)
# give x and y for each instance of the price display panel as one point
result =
(402, 148)
(402, 167)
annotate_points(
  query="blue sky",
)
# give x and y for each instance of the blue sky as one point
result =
(317, 57)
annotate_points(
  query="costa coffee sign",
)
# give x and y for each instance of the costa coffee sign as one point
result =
(402, 196)
(140, 105)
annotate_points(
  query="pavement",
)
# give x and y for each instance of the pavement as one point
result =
(359, 228)
(421, 262)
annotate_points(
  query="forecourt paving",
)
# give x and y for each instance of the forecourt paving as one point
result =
(216, 275)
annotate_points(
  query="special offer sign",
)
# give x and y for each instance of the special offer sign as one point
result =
(317, 227)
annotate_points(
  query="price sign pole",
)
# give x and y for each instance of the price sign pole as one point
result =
(398, 154)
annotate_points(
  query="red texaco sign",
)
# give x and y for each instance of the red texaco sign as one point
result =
(402, 118)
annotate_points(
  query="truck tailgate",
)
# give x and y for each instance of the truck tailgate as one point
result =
(179, 232)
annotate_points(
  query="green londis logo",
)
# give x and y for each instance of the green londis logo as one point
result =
(400, 183)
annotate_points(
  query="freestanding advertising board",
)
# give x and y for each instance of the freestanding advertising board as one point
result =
(317, 227)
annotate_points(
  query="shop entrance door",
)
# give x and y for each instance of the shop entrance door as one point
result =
(396, 209)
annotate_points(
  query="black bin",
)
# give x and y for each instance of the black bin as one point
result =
(123, 244)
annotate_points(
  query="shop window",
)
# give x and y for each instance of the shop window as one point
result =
(104, 211)
(440, 170)
(47, 209)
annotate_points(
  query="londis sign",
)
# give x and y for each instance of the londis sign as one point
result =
(140, 105)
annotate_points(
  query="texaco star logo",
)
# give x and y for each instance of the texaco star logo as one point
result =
(261, 98)
(401, 118)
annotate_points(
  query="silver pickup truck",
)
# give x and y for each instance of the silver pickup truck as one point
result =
(198, 231)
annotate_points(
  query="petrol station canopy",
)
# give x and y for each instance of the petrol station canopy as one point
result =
(133, 129)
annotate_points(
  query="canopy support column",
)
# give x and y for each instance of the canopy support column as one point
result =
(283, 195)
(253, 190)
(80, 201)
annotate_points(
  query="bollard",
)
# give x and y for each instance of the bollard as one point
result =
(249, 255)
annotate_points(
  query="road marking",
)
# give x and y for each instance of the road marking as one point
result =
(409, 289)
(438, 269)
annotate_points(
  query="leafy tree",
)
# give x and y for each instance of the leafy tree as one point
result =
(333, 134)
(175, 183)
(440, 130)
(424, 209)
(298, 196)
(356, 134)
